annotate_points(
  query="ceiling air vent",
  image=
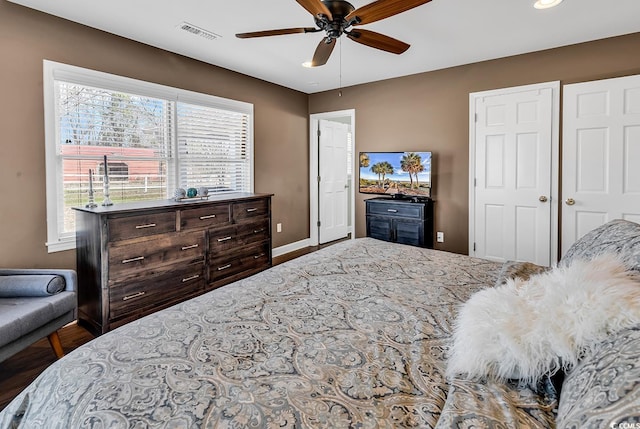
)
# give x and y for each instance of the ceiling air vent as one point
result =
(198, 31)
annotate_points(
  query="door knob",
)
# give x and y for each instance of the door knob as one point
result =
(543, 199)
(570, 201)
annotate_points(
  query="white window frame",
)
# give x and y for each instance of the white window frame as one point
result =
(53, 71)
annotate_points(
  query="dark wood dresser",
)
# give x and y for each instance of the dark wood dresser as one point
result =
(401, 221)
(137, 258)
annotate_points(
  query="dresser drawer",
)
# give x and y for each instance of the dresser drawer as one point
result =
(257, 257)
(122, 228)
(205, 217)
(223, 239)
(251, 257)
(150, 291)
(250, 209)
(127, 259)
(407, 210)
(254, 232)
(227, 239)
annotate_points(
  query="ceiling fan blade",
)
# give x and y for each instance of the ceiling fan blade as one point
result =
(277, 32)
(378, 41)
(382, 9)
(315, 8)
(323, 52)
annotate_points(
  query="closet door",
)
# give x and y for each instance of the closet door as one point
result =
(512, 139)
(601, 155)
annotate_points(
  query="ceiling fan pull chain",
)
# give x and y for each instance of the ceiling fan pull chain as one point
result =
(340, 73)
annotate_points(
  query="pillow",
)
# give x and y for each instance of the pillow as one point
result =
(619, 236)
(18, 285)
(522, 270)
(603, 389)
(528, 329)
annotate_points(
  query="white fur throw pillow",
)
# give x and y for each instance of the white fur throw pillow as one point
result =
(526, 329)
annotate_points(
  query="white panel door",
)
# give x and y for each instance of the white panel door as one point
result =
(333, 186)
(601, 155)
(512, 193)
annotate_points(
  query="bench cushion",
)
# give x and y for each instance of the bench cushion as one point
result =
(19, 316)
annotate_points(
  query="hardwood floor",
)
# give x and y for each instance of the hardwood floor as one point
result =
(21, 369)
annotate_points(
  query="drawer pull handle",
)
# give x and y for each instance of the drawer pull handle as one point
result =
(392, 210)
(149, 225)
(207, 217)
(190, 278)
(220, 240)
(127, 261)
(257, 231)
(135, 295)
(193, 246)
(258, 256)
(251, 210)
(224, 267)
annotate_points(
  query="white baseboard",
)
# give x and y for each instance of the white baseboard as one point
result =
(291, 247)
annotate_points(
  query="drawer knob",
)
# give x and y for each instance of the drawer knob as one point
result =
(220, 240)
(193, 246)
(224, 267)
(188, 279)
(127, 261)
(135, 295)
(149, 225)
(207, 217)
(392, 210)
(251, 210)
(258, 256)
(257, 231)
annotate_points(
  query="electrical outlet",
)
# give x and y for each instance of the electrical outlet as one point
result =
(440, 237)
(278, 227)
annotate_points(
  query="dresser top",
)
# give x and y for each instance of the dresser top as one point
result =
(171, 203)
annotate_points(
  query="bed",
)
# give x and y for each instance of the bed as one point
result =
(352, 336)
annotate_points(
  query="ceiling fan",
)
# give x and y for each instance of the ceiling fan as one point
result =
(336, 17)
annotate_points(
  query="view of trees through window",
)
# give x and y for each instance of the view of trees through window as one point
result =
(132, 131)
(152, 146)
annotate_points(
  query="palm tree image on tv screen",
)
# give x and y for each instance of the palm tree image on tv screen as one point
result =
(391, 173)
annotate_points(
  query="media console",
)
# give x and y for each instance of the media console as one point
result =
(405, 221)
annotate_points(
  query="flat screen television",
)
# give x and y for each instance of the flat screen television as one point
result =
(396, 174)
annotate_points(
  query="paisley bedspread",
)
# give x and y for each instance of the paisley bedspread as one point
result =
(352, 336)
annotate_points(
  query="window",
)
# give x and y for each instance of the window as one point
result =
(155, 139)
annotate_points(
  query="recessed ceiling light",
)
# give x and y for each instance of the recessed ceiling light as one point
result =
(545, 4)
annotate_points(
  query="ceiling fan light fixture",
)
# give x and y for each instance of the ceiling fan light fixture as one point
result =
(307, 64)
(335, 17)
(546, 4)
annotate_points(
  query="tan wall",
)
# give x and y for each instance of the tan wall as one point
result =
(430, 111)
(27, 37)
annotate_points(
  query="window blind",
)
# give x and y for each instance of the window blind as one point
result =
(213, 148)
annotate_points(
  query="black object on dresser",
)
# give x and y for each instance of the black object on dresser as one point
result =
(405, 221)
(137, 258)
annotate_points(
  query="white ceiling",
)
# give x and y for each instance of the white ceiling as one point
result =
(442, 33)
